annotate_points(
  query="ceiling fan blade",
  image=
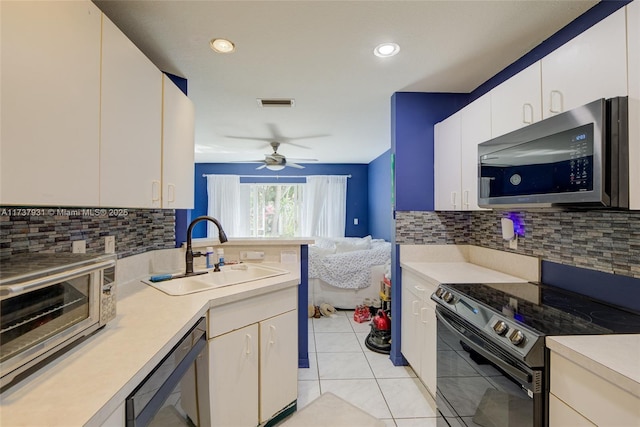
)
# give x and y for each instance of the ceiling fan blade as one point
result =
(294, 165)
(303, 160)
(246, 161)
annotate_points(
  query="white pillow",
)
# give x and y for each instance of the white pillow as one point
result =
(353, 244)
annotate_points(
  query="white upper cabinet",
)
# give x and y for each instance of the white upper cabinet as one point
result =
(178, 166)
(475, 127)
(446, 154)
(130, 150)
(456, 156)
(591, 66)
(633, 52)
(516, 102)
(50, 108)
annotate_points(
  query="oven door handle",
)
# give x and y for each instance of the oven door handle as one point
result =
(508, 368)
(43, 282)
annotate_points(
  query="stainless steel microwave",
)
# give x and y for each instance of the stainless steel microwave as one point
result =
(576, 158)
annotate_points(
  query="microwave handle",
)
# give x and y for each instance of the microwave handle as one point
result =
(32, 285)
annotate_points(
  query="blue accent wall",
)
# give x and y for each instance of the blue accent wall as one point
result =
(380, 201)
(357, 189)
(413, 115)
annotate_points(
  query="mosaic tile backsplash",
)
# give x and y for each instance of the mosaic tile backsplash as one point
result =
(33, 229)
(607, 241)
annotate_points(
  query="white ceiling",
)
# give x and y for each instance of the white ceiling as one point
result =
(321, 54)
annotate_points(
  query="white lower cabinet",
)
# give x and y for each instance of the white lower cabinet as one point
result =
(253, 359)
(419, 328)
(234, 377)
(580, 397)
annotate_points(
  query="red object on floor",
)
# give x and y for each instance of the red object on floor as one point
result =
(362, 314)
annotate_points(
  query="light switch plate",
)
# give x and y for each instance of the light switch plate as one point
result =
(110, 244)
(79, 246)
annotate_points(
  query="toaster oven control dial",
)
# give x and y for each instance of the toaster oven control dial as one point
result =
(439, 292)
(500, 327)
(516, 337)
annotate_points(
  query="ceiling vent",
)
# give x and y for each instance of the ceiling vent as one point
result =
(276, 102)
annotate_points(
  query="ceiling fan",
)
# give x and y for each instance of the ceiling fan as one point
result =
(277, 161)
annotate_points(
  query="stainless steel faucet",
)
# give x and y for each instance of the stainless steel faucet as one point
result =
(190, 254)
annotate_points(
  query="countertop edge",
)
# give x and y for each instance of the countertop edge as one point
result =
(563, 348)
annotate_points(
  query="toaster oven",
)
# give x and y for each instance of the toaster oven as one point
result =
(49, 301)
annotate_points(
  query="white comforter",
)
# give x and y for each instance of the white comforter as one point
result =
(347, 270)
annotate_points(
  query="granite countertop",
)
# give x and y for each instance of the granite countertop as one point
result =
(616, 358)
(89, 382)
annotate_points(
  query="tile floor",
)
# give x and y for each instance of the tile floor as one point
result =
(341, 363)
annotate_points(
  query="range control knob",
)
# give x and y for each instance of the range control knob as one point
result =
(447, 297)
(500, 327)
(516, 337)
(439, 292)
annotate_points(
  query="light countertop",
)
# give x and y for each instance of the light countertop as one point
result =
(458, 272)
(616, 358)
(89, 382)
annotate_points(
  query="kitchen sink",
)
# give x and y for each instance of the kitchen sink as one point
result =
(227, 276)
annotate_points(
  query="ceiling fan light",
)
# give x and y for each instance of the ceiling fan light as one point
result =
(222, 45)
(386, 50)
(275, 167)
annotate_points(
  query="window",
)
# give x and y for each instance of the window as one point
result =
(274, 210)
(314, 207)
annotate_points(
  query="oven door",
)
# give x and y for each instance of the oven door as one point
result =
(41, 316)
(479, 384)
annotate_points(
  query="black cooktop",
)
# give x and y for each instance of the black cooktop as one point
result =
(553, 311)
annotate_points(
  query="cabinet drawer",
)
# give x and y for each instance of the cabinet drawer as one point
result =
(235, 315)
(598, 400)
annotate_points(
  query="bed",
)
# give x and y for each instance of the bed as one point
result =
(345, 271)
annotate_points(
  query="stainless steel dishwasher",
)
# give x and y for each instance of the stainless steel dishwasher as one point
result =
(176, 392)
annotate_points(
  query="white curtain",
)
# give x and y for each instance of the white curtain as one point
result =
(325, 206)
(227, 205)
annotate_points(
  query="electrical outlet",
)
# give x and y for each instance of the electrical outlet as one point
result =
(355, 221)
(513, 303)
(110, 244)
(79, 246)
(513, 244)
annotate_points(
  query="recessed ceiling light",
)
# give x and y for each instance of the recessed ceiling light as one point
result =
(385, 50)
(222, 45)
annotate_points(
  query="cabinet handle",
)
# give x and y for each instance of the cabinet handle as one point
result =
(422, 311)
(414, 308)
(465, 198)
(272, 334)
(551, 98)
(454, 196)
(527, 119)
(155, 191)
(171, 193)
(247, 344)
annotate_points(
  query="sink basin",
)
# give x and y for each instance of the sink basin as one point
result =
(229, 275)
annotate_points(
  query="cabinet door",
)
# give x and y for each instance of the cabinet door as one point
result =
(177, 148)
(50, 104)
(428, 356)
(516, 102)
(560, 414)
(233, 378)
(130, 162)
(447, 164)
(591, 66)
(475, 127)
(410, 324)
(278, 363)
(633, 52)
